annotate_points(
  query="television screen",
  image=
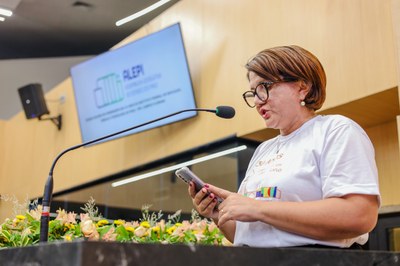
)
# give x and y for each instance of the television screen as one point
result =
(136, 83)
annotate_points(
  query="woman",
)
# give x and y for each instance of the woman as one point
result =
(314, 184)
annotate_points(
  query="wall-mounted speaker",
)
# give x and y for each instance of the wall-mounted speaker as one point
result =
(33, 102)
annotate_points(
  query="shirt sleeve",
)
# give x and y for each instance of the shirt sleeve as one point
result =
(348, 162)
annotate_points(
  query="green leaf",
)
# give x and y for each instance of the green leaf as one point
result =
(103, 230)
(122, 234)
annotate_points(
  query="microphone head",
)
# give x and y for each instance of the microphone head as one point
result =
(225, 112)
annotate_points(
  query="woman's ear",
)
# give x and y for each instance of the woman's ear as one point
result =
(304, 88)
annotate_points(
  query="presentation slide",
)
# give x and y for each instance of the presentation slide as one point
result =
(141, 81)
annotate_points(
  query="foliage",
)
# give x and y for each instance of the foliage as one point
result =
(91, 209)
(24, 228)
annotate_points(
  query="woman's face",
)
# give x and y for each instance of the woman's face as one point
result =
(282, 110)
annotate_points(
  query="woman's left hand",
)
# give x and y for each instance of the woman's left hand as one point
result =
(234, 206)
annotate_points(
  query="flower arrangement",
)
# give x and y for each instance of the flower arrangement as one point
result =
(24, 229)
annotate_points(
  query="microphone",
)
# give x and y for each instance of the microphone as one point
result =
(226, 112)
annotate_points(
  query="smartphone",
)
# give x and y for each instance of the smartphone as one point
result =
(186, 175)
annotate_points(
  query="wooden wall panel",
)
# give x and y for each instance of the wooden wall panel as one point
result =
(353, 39)
(396, 35)
(2, 153)
(386, 143)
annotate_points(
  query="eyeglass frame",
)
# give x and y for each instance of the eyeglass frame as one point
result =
(267, 85)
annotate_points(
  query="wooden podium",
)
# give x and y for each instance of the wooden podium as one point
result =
(113, 253)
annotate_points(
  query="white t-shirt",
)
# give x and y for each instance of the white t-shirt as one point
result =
(328, 156)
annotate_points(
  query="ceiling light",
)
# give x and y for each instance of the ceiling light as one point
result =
(5, 12)
(2, 19)
(141, 13)
(177, 166)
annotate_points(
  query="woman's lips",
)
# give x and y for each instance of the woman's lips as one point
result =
(265, 114)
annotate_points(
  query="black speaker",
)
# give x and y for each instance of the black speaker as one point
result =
(33, 101)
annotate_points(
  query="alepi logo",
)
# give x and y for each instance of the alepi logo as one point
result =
(109, 90)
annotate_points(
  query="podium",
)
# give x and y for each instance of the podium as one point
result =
(114, 253)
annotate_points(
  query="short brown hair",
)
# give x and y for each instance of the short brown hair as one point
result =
(292, 62)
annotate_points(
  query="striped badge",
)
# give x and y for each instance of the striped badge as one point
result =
(268, 192)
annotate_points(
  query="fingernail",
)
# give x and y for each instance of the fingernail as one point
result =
(211, 196)
(204, 190)
(206, 185)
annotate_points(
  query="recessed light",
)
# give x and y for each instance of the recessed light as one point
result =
(141, 13)
(177, 166)
(5, 12)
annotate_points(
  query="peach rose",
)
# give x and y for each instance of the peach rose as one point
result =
(89, 230)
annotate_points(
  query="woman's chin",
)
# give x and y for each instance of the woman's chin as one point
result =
(269, 124)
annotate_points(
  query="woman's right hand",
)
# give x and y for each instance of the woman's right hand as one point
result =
(204, 202)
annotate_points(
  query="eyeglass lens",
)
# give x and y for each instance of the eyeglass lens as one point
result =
(260, 91)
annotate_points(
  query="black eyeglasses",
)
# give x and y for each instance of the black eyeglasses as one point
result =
(262, 91)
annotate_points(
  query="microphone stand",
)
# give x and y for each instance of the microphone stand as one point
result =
(48, 189)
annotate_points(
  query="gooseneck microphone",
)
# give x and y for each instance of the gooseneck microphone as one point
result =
(224, 111)
(221, 111)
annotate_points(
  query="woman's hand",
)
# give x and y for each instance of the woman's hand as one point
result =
(234, 207)
(204, 202)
